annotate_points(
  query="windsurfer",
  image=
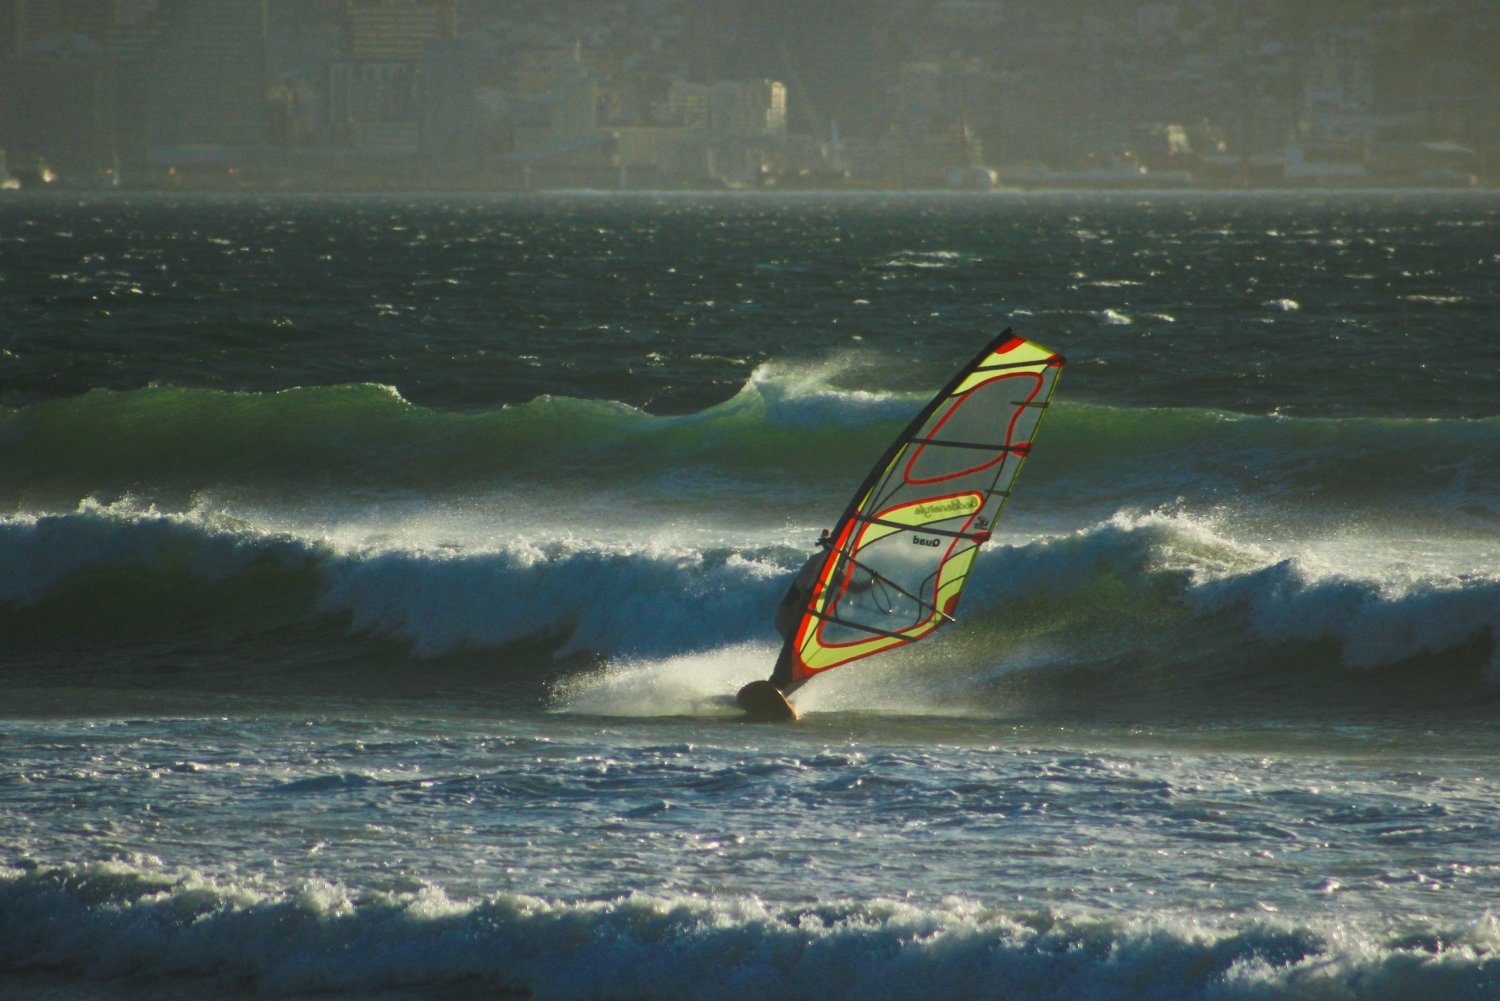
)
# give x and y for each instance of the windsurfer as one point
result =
(891, 571)
(802, 589)
(794, 604)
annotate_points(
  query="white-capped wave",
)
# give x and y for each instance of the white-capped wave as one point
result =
(1381, 598)
(131, 924)
(606, 599)
(39, 552)
(805, 397)
(649, 596)
(926, 259)
(1381, 601)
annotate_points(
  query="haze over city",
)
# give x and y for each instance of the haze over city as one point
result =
(512, 94)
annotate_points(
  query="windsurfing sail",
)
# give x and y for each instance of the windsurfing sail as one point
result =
(894, 566)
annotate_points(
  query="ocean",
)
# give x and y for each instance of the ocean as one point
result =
(376, 573)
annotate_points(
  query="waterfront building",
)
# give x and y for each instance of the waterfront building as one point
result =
(374, 89)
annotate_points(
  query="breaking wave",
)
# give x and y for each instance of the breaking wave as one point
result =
(1133, 590)
(1258, 544)
(132, 924)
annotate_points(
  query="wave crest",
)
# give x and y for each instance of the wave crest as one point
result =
(1135, 589)
(128, 923)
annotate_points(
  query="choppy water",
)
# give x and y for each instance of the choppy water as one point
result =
(373, 572)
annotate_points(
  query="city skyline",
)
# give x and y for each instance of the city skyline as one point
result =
(658, 93)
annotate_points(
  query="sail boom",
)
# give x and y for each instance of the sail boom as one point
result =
(873, 630)
(876, 575)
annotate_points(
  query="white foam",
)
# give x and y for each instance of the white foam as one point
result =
(804, 396)
(1366, 593)
(1381, 597)
(118, 921)
(694, 684)
(647, 597)
(623, 600)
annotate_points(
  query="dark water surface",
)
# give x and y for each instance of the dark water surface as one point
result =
(374, 573)
(1258, 303)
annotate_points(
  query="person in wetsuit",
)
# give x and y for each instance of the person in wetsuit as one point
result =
(789, 612)
(801, 592)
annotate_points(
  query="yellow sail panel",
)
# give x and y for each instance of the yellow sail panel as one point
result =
(857, 591)
(904, 548)
(1019, 352)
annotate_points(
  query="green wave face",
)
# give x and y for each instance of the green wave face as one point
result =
(301, 446)
(1150, 611)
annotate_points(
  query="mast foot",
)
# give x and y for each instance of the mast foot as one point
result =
(764, 703)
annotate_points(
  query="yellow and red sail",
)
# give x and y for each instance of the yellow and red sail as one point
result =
(899, 557)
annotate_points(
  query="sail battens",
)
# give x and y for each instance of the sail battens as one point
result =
(928, 530)
(1058, 362)
(981, 446)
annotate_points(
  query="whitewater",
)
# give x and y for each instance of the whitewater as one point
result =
(376, 574)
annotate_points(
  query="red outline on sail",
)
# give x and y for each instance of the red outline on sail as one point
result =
(962, 399)
(843, 586)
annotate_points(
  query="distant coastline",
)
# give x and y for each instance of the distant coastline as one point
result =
(1063, 182)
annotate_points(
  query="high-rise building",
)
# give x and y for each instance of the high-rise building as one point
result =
(10, 27)
(687, 104)
(825, 52)
(750, 109)
(373, 96)
(129, 12)
(448, 109)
